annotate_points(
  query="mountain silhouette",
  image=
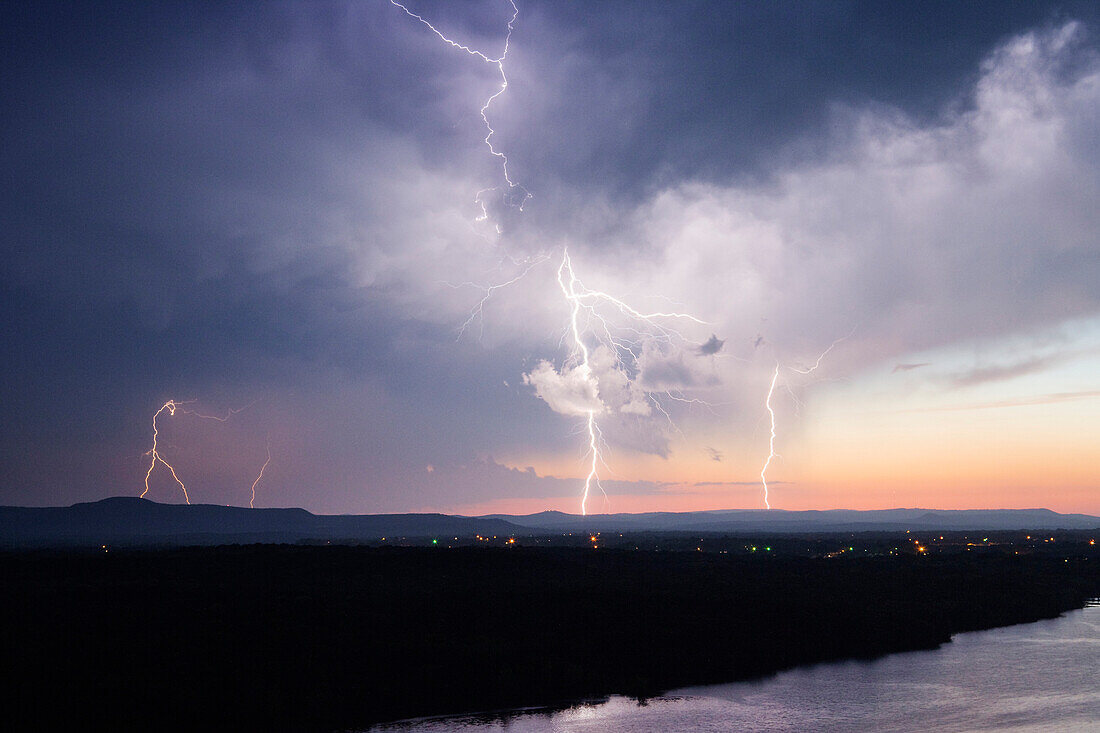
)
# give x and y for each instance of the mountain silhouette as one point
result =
(133, 521)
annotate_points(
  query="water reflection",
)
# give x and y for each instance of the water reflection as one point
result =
(1026, 679)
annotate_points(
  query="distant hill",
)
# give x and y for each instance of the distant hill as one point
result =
(133, 521)
(831, 520)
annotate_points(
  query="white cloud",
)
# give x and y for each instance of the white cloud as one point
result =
(979, 224)
(917, 234)
(572, 391)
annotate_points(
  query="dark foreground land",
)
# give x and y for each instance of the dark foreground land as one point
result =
(322, 638)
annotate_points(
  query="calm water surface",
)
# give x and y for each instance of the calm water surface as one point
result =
(1035, 677)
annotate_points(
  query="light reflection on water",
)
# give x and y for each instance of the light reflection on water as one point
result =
(1025, 679)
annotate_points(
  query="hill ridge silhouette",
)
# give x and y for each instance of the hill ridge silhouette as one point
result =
(132, 520)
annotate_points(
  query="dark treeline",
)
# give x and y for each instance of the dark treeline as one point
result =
(264, 637)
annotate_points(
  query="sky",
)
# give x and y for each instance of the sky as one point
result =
(271, 211)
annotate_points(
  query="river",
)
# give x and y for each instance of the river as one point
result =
(1042, 676)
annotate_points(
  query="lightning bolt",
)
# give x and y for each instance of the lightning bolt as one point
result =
(594, 450)
(623, 341)
(771, 412)
(477, 311)
(173, 406)
(824, 353)
(771, 440)
(584, 301)
(252, 501)
(515, 191)
(573, 298)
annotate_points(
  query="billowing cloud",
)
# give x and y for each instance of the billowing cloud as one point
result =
(616, 388)
(922, 233)
(603, 388)
(572, 391)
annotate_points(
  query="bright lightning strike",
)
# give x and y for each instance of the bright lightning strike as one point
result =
(172, 406)
(771, 411)
(623, 350)
(594, 450)
(771, 440)
(585, 371)
(623, 343)
(516, 192)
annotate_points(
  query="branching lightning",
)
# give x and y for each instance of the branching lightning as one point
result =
(516, 195)
(624, 341)
(585, 368)
(488, 290)
(646, 328)
(771, 411)
(173, 406)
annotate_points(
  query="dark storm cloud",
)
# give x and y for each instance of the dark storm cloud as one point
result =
(711, 346)
(171, 197)
(723, 92)
(211, 199)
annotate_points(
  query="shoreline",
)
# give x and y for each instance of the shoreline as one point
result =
(344, 638)
(679, 703)
(558, 706)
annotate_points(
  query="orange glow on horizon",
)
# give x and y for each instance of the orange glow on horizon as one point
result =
(849, 456)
